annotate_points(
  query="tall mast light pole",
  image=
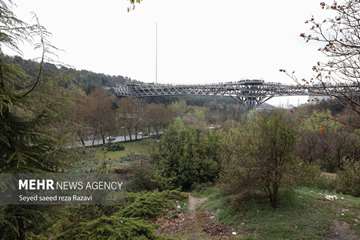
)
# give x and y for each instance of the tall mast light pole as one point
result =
(156, 53)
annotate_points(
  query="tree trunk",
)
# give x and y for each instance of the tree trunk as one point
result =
(94, 137)
(157, 131)
(102, 135)
(81, 139)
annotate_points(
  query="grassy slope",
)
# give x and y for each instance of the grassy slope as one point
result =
(305, 214)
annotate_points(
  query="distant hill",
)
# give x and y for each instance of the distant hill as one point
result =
(69, 77)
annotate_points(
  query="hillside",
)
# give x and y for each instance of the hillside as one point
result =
(70, 77)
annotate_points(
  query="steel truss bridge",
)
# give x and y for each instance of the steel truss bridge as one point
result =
(248, 92)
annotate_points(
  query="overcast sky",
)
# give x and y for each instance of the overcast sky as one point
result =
(200, 41)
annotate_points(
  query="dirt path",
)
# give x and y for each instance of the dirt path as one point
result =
(342, 231)
(194, 203)
(195, 224)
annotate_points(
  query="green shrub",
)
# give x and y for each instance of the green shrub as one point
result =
(326, 182)
(143, 178)
(151, 204)
(348, 180)
(306, 174)
(126, 221)
(310, 175)
(113, 227)
(114, 147)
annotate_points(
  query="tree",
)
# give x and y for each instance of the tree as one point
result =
(130, 116)
(157, 116)
(95, 115)
(339, 38)
(133, 4)
(314, 135)
(257, 156)
(27, 140)
(187, 156)
(81, 117)
(325, 141)
(101, 113)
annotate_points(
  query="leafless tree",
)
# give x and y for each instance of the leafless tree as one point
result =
(157, 116)
(130, 116)
(95, 116)
(338, 36)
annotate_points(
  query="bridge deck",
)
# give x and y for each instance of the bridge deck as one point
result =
(251, 92)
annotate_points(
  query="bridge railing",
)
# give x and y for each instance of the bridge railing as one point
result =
(246, 90)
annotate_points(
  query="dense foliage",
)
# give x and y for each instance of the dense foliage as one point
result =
(150, 205)
(325, 141)
(111, 227)
(349, 179)
(29, 121)
(258, 155)
(114, 147)
(188, 156)
(124, 221)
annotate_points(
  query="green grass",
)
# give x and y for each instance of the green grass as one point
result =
(95, 158)
(131, 148)
(304, 214)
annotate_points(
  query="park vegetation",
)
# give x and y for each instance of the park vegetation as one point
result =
(52, 119)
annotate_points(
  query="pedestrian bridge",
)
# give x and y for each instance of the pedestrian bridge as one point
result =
(249, 92)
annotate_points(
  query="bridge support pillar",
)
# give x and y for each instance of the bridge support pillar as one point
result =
(252, 101)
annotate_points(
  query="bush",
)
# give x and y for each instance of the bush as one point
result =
(348, 180)
(151, 204)
(126, 221)
(145, 178)
(142, 180)
(305, 174)
(114, 147)
(113, 227)
(310, 175)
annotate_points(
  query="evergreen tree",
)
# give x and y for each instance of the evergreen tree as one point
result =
(26, 145)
